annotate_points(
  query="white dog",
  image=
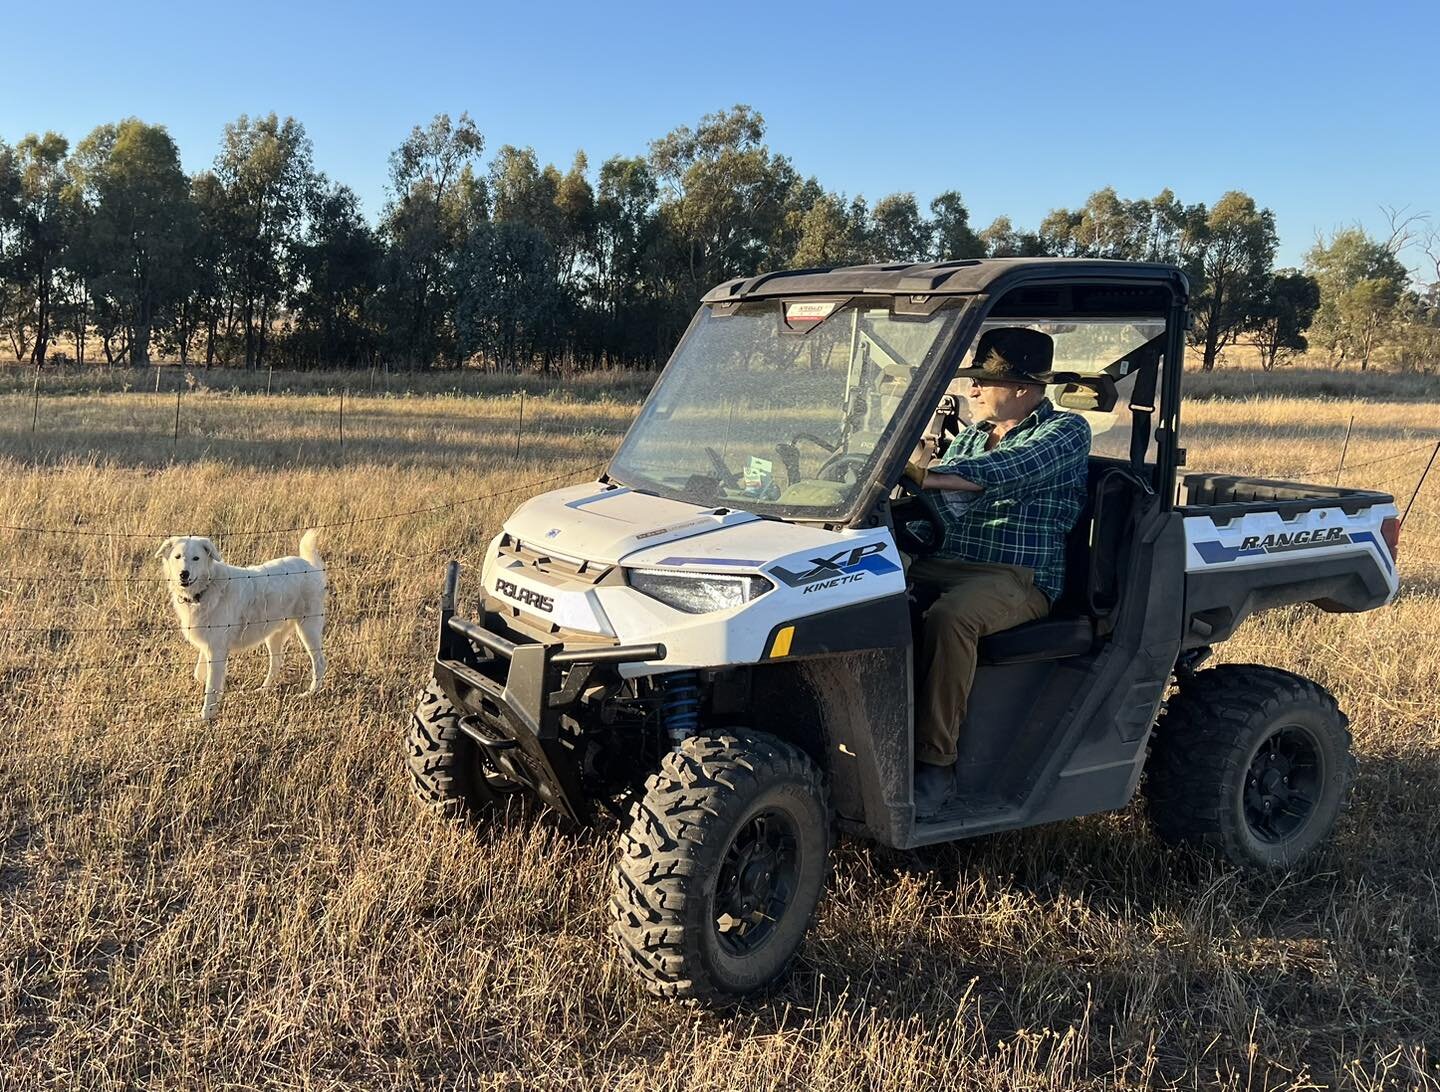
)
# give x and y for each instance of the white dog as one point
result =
(225, 608)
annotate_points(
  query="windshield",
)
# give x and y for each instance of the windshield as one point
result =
(781, 407)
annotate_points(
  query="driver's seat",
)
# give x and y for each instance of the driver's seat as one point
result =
(1095, 561)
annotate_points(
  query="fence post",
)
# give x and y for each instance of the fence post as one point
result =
(157, 378)
(269, 375)
(342, 418)
(175, 439)
(1344, 448)
(35, 417)
(520, 424)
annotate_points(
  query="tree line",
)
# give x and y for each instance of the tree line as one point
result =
(262, 259)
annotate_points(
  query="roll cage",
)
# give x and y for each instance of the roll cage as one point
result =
(1024, 289)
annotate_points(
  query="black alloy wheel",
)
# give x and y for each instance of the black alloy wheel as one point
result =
(1283, 784)
(1249, 762)
(722, 866)
(757, 881)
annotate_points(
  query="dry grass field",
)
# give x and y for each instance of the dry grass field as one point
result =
(258, 903)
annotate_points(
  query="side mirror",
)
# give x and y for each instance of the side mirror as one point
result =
(1089, 395)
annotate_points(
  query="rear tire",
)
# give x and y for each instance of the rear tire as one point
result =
(1251, 762)
(447, 771)
(722, 867)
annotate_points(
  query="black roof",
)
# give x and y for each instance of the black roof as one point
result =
(962, 277)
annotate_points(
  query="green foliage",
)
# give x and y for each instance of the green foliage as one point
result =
(897, 232)
(507, 301)
(138, 226)
(437, 201)
(517, 262)
(44, 215)
(832, 233)
(1228, 251)
(1362, 284)
(951, 234)
(264, 167)
(339, 266)
(1281, 314)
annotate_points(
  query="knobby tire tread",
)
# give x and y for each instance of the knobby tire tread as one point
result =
(691, 800)
(445, 773)
(1199, 743)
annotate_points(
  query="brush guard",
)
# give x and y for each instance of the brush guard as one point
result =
(513, 691)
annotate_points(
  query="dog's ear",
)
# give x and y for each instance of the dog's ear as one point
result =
(209, 548)
(165, 546)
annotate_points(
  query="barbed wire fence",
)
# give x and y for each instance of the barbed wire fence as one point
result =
(24, 686)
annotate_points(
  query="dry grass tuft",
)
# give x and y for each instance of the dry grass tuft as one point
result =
(260, 905)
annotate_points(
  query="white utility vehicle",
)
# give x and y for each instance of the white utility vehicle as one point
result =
(714, 640)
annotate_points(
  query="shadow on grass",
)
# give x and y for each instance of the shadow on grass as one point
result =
(1096, 923)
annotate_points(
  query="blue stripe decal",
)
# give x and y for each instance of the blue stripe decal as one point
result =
(875, 564)
(597, 497)
(1215, 552)
(710, 561)
(1380, 547)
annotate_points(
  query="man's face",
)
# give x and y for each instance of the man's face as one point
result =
(993, 400)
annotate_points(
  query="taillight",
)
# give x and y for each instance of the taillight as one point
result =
(1390, 532)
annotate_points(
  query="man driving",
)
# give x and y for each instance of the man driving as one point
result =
(1010, 487)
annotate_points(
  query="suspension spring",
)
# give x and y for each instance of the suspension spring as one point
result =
(680, 706)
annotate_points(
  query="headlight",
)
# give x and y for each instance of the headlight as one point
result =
(698, 593)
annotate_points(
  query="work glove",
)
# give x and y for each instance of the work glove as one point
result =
(916, 473)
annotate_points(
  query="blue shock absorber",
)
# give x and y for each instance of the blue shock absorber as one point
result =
(680, 706)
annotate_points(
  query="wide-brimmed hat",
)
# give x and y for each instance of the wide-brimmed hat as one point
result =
(1014, 354)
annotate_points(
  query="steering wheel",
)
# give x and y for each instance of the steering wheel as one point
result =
(824, 445)
(847, 465)
(916, 507)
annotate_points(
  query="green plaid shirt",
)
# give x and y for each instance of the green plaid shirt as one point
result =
(1034, 489)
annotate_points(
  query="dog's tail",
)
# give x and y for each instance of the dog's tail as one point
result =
(308, 549)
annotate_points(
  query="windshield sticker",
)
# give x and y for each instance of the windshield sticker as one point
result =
(799, 315)
(844, 567)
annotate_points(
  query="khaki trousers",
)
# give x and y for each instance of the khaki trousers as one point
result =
(977, 599)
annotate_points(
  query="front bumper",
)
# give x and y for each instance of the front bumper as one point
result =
(513, 689)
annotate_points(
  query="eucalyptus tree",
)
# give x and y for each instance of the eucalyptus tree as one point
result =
(139, 224)
(1228, 251)
(265, 169)
(436, 201)
(12, 287)
(952, 236)
(1362, 284)
(1281, 314)
(897, 230)
(506, 293)
(338, 267)
(722, 201)
(44, 217)
(833, 232)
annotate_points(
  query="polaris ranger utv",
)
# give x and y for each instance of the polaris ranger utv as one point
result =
(714, 640)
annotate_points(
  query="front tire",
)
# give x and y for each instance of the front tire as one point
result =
(1252, 762)
(722, 866)
(448, 774)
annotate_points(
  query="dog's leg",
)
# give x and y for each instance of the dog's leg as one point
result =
(200, 668)
(275, 645)
(309, 631)
(214, 682)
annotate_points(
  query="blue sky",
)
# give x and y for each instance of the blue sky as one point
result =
(1323, 112)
